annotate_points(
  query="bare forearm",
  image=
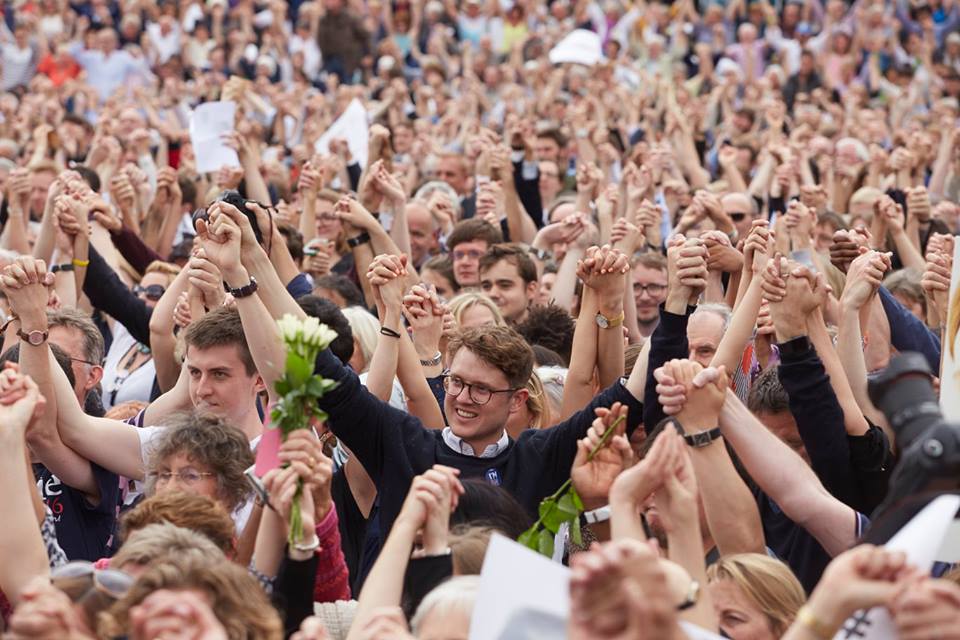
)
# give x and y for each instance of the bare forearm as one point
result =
(271, 289)
(731, 511)
(735, 339)
(850, 352)
(909, 253)
(578, 386)
(787, 479)
(853, 419)
(43, 247)
(565, 287)
(420, 399)
(20, 536)
(383, 363)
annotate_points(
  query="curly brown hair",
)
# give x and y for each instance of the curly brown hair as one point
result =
(209, 441)
(235, 598)
(500, 347)
(187, 510)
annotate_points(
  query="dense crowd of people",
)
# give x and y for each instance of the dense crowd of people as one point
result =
(652, 249)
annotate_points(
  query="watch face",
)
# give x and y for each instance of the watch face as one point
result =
(602, 322)
(35, 338)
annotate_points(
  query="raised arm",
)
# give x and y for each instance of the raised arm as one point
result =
(26, 284)
(220, 239)
(162, 339)
(863, 279)
(20, 400)
(787, 479)
(430, 500)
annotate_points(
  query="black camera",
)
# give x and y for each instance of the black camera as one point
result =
(929, 458)
(234, 198)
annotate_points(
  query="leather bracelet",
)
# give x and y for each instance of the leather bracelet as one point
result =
(390, 333)
(57, 268)
(356, 241)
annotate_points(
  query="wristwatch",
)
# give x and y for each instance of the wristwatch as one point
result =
(242, 292)
(702, 438)
(609, 323)
(432, 362)
(356, 241)
(35, 337)
(541, 254)
(597, 515)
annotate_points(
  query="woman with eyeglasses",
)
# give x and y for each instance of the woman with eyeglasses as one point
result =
(201, 455)
(128, 369)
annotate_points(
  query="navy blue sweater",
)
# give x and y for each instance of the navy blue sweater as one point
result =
(394, 446)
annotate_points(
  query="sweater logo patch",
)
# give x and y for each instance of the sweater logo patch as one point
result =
(492, 476)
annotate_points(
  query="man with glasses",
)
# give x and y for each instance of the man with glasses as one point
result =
(649, 289)
(75, 333)
(485, 385)
(468, 241)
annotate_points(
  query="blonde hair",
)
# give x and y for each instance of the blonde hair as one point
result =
(767, 583)
(366, 331)
(537, 405)
(167, 269)
(462, 302)
(468, 546)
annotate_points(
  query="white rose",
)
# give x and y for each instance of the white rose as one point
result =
(291, 330)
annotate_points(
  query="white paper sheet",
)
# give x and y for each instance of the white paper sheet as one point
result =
(208, 123)
(921, 540)
(579, 47)
(353, 127)
(523, 595)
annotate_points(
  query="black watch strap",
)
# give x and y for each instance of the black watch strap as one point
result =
(242, 292)
(702, 438)
(356, 241)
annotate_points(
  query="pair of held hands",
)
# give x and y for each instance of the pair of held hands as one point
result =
(46, 612)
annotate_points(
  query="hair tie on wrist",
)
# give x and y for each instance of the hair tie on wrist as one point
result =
(387, 331)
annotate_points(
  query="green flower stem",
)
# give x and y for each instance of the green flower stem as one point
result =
(593, 452)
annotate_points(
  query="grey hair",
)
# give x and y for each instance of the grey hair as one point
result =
(716, 308)
(459, 593)
(428, 189)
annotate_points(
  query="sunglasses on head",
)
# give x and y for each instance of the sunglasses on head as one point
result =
(110, 582)
(152, 292)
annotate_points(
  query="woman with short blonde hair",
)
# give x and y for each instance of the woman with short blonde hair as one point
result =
(755, 596)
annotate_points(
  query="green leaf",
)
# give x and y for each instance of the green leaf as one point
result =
(577, 501)
(568, 507)
(575, 531)
(550, 515)
(545, 543)
(282, 386)
(529, 538)
(299, 370)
